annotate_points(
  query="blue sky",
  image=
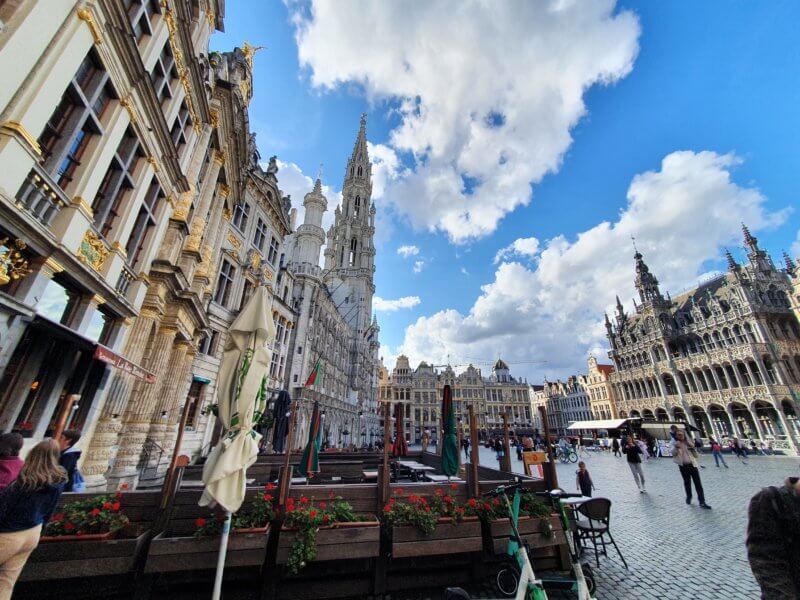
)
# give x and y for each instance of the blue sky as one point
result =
(633, 84)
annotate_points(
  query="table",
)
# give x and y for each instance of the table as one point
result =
(440, 478)
(415, 468)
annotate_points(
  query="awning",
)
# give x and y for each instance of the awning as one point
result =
(662, 427)
(600, 424)
(101, 353)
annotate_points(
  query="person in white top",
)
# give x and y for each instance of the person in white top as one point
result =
(685, 456)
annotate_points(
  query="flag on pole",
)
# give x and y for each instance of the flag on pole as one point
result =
(315, 374)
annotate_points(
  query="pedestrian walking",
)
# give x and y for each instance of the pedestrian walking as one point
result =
(615, 447)
(10, 462)
(634, 455)
(716, 452)
(519, 449)
(584, 480)
(773, 531)
(738, 450)
(25, 507)
(643, 448)
(753, 447)
(499, 451)
(685, 456)
(465, 446)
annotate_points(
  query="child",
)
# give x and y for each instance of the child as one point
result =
(10, 462)
(584, 480)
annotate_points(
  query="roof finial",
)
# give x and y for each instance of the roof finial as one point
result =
(732, 264)
(748, 238)
(635, 249)
(787, 260)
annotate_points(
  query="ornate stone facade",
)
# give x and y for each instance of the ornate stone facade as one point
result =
(421, 390)
(597, 383)
(724, 356)
(333, 308)
(565, 402)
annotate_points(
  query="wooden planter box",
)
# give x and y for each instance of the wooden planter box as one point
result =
(81, 557)
(447, 538)
(345, 541)
(530, 531)
(168, 554)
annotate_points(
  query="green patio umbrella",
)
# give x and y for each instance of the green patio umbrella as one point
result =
(451, 457)
(241, 391)
(309, 461)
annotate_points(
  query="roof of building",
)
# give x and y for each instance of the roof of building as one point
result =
(500, 365)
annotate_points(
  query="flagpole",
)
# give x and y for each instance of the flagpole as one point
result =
(223, 551)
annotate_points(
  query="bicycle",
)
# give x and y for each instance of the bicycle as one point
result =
(566, 456)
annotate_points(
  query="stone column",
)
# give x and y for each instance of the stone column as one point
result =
(734, 425)
(790, 434)
(203, 203)
(175, 409)
(159, 418)
(738, 375)
(136, 421)
(759, 428)
(102, 449)
(717, 434)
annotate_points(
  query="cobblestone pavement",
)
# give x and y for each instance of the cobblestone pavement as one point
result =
(674, 550)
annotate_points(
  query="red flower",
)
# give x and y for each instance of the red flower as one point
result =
(95, 512)
(312, 513)
(290, 501)
(496, 501)
(115, 507)
(289, 508)
(439, 492)
(398, 492)
(269, 486)
(106, 505)
(124, 486)
(268, 497)
(453, 486)
(58, 517)
(486, 506)
(326, 519)
(118, 495)
(387, 508)
(331, 495)
(427, 509)
(323, 505)
(69, 527)
(303, 500)
(200, 522)
(448, 499)
(472, 502)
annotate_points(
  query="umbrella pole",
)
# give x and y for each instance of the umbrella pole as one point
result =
(223, 551)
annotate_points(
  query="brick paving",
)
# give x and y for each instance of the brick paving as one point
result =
(673, 550)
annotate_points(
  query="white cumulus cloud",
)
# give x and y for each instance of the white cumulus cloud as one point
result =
(406, 251)
(522, 247)
(486, 93)
(682, 215)
(381, 305)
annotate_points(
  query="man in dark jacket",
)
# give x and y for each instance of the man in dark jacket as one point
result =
(70, 456)
(773, 540)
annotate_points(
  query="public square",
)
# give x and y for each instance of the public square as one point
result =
(674, 550)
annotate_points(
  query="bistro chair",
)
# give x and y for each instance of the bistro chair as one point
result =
(596, 527)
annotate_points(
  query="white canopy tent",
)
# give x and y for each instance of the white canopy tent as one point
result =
(599, 424)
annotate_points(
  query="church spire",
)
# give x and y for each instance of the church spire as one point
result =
(751, 241)
(732, 264)
(358, 167)
(787, 260)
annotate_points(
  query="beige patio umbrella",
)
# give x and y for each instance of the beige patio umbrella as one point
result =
(241, 393)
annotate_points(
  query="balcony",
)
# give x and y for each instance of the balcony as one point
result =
(41, 197)
(126, 277)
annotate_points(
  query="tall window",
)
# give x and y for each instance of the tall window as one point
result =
(76, 119)
(273, 251)
(357, 206)
(117, 182)
(240, 215)
(261, 235)
(164, 74)
(145, 222)
(180, 127)
(209, 344)
(353, 248)
(224, 283)
(140, 15)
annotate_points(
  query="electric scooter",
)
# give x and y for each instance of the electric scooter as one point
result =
(516, 579)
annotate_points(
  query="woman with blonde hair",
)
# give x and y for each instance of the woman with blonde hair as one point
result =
(25, 507)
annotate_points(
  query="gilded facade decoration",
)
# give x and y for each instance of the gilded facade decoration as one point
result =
(13, 264)
(85, 14)
(92, 250)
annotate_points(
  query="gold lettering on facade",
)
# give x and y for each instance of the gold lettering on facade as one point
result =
(236, 242)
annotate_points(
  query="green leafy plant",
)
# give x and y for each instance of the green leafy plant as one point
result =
(100, 514)
(305, 519)
(257, 513)
(413, 510)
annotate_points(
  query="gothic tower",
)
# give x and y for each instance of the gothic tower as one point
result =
(350, 251)
(310, 235)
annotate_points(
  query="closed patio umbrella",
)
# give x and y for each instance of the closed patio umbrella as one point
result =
(241, 391)
(309, 461)
(400, 446)
(451, 458)
(281, 420)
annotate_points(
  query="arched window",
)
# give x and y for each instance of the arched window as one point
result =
(353, 248)
(360, 171)
(357, 206)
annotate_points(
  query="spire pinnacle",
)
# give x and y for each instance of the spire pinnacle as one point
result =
(787, 260)
(751, 241)
(732, 264)
(318, 186)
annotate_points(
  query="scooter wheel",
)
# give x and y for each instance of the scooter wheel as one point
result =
(506, 580)
(588, 575)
